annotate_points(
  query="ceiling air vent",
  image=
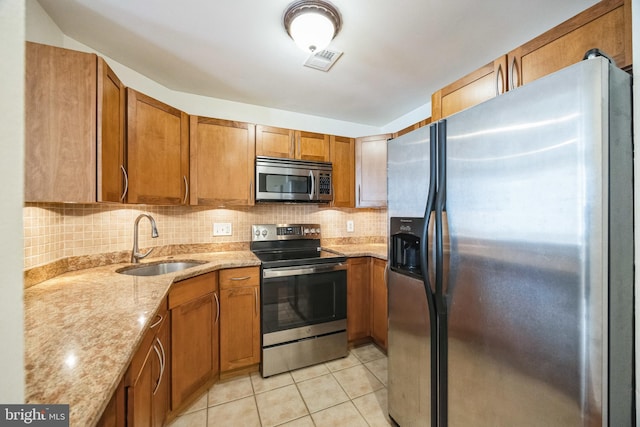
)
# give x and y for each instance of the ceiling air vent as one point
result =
(323, 60)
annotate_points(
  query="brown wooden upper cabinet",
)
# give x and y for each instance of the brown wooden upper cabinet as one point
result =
(222, 165)
(482, 84)
(413, 127)
(371, 171)
(73, 104)
(343, 176)
(157, 151)
(606, 26)
(292, 144)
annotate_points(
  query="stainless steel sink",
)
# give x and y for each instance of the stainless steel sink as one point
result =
(157, 269)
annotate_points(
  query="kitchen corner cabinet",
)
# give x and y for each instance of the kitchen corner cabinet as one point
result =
(343, 177)
(358, 298)
(606, 26)
(147, 391)
(69, 110)
(291, 144)
(195, 316)
(379, 308)
(157, 151)
(222, 164)
(371, 171)
(481, 85)
(239, 318)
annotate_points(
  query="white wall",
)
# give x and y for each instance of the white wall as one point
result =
(12, 28)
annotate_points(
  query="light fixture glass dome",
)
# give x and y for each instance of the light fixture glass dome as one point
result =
(312, 24)
(312, 31)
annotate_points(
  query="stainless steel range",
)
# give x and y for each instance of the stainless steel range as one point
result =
(303, 295)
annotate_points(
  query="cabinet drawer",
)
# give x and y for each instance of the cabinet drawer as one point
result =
(189, 289)
(244, 276)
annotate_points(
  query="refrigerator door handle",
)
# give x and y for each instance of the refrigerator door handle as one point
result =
(429, 209)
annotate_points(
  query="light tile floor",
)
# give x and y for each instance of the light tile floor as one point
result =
(346, 392)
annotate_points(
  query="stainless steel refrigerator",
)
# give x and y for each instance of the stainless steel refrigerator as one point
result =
(511, 259)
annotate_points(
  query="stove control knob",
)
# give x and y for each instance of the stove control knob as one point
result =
(318, 230)
(306, 231)
(257, 233)
(264, 233)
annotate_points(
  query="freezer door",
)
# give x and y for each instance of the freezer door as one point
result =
(408, 159)
(526, 255)
(409, 352)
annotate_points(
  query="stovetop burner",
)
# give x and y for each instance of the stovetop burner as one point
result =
(283, 245)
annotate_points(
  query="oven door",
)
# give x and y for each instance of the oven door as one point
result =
(303, 301)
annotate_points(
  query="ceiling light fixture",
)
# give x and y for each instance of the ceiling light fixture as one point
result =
(312, 24)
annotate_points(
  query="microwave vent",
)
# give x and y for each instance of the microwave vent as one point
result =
(323, 60)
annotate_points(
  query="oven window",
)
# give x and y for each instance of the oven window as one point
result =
(294, 301)
(274, 183)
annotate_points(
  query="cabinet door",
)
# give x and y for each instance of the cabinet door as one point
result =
(413, 127)
(312, 146)
(343, 175)
(114, 414)
(358, 301)
(379, 310)
(481, 85)
(274, 142)
(222, 163)
(60, 125)
(140, 394)
(111, 173)
(239, 327)
(161, 370)
(157, 151)
(193, 353)
(371, 171)
(606, 26)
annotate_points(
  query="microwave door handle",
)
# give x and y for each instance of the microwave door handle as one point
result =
(313, 185)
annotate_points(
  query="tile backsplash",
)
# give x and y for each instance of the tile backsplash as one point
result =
(54, 231)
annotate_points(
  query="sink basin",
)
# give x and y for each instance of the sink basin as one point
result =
(159, 268)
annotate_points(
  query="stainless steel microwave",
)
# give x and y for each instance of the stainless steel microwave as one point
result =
(288, 180)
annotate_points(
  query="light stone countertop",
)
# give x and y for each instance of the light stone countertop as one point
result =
(376, 250)
(82, 328)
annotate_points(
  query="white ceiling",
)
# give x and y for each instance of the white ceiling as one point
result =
(396, 53)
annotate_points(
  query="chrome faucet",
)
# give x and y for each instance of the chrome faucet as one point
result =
(135, 255)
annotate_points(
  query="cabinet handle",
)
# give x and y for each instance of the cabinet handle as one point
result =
(161, 358)
(126, 183)
(499, 81)
(359, 193)
(215, 295)
(186, 189)
(237, 279)
(515, 78)
(157, 322)
(255, 294)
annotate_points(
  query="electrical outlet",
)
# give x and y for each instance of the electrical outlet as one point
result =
(350, 226)
(222, 229)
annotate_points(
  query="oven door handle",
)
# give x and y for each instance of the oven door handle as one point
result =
(299, 270)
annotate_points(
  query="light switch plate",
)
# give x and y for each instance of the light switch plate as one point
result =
(222, 229)
(350, 226)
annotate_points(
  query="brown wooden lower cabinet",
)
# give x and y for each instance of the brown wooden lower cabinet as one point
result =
(147, 380)
(195, 314)
(358, 291)
(239, 318)
(379, 309)
(114, 414)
